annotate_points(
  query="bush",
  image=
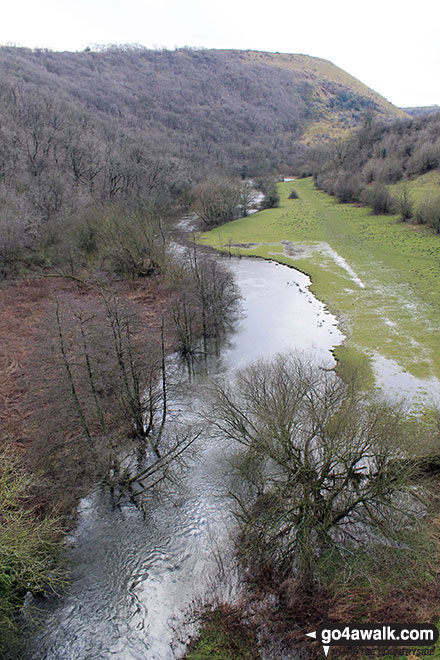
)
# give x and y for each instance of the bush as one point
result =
(293, 194)
(224, 634)
(347, 188)
(132, 242)
(271, 199)
(428, 212)
(370, 172)
(28, 547)
(391, 171)
(267, 185)
(325, 183)
(217, 200)
(426, 158)
(405, 203)
(379, 198)
(122, 239)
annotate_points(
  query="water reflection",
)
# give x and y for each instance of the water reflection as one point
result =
(133, 576)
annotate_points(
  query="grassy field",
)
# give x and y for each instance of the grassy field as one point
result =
(426, 184)
(386, 289)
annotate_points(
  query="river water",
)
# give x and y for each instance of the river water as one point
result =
(133, 575)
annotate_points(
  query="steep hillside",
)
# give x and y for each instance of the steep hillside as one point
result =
(377, 155)
(336, 100)
(215, 108)
(128, 123)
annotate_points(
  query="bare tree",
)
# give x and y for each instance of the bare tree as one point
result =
(316, 470)
(107, 388)
(246, 199)
(209, 304)
(133, 243)
(217, 201)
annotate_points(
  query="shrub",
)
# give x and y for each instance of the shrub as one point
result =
(224, 634)
(428, 212)
(347, 188)
(379, 198)
(121, 239)
(293, 194)
(271, 199)
(426, 158)
(268, 187)
(370, 172)
(28, 547)
(391, 171)
(405, 203)
(324, 183)
(216, 201)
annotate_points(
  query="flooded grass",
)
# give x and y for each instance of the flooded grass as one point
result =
(396, 313)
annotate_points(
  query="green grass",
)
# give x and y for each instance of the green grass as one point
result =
(426, 184)
(223, 636)
(396, 314)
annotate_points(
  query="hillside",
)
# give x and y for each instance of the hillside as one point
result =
(377, 155)
(99, 152)
(216, 108)
(422, 110)
(86, 128)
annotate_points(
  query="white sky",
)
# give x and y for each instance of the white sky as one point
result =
(392, 46)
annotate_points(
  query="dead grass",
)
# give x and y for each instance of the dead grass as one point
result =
(25, 305)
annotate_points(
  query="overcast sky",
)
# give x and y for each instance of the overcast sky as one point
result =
(392, 46)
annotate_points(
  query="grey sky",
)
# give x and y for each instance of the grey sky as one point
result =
(392, 46)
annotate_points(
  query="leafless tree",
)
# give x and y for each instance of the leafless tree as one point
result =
(217, 201)
(317, 474)
(209, 304)
(107, 393)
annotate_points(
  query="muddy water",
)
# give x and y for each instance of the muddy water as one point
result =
(134, 575)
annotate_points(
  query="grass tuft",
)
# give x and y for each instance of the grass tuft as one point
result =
(224, 636)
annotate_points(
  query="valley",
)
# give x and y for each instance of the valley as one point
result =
(380, 277)
(220, 359)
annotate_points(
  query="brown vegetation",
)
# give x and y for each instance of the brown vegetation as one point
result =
(26, 305)
(123, 124)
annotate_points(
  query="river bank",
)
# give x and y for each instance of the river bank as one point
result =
(379, 277)
(27, 304)
(135, 575)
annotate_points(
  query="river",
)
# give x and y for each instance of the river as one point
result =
(134, 575)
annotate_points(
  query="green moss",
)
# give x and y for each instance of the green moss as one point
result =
(224, 636)
(396, 314)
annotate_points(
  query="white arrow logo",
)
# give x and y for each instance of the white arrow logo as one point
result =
(326, 648)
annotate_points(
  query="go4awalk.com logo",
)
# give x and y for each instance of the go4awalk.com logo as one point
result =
(375, 634)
